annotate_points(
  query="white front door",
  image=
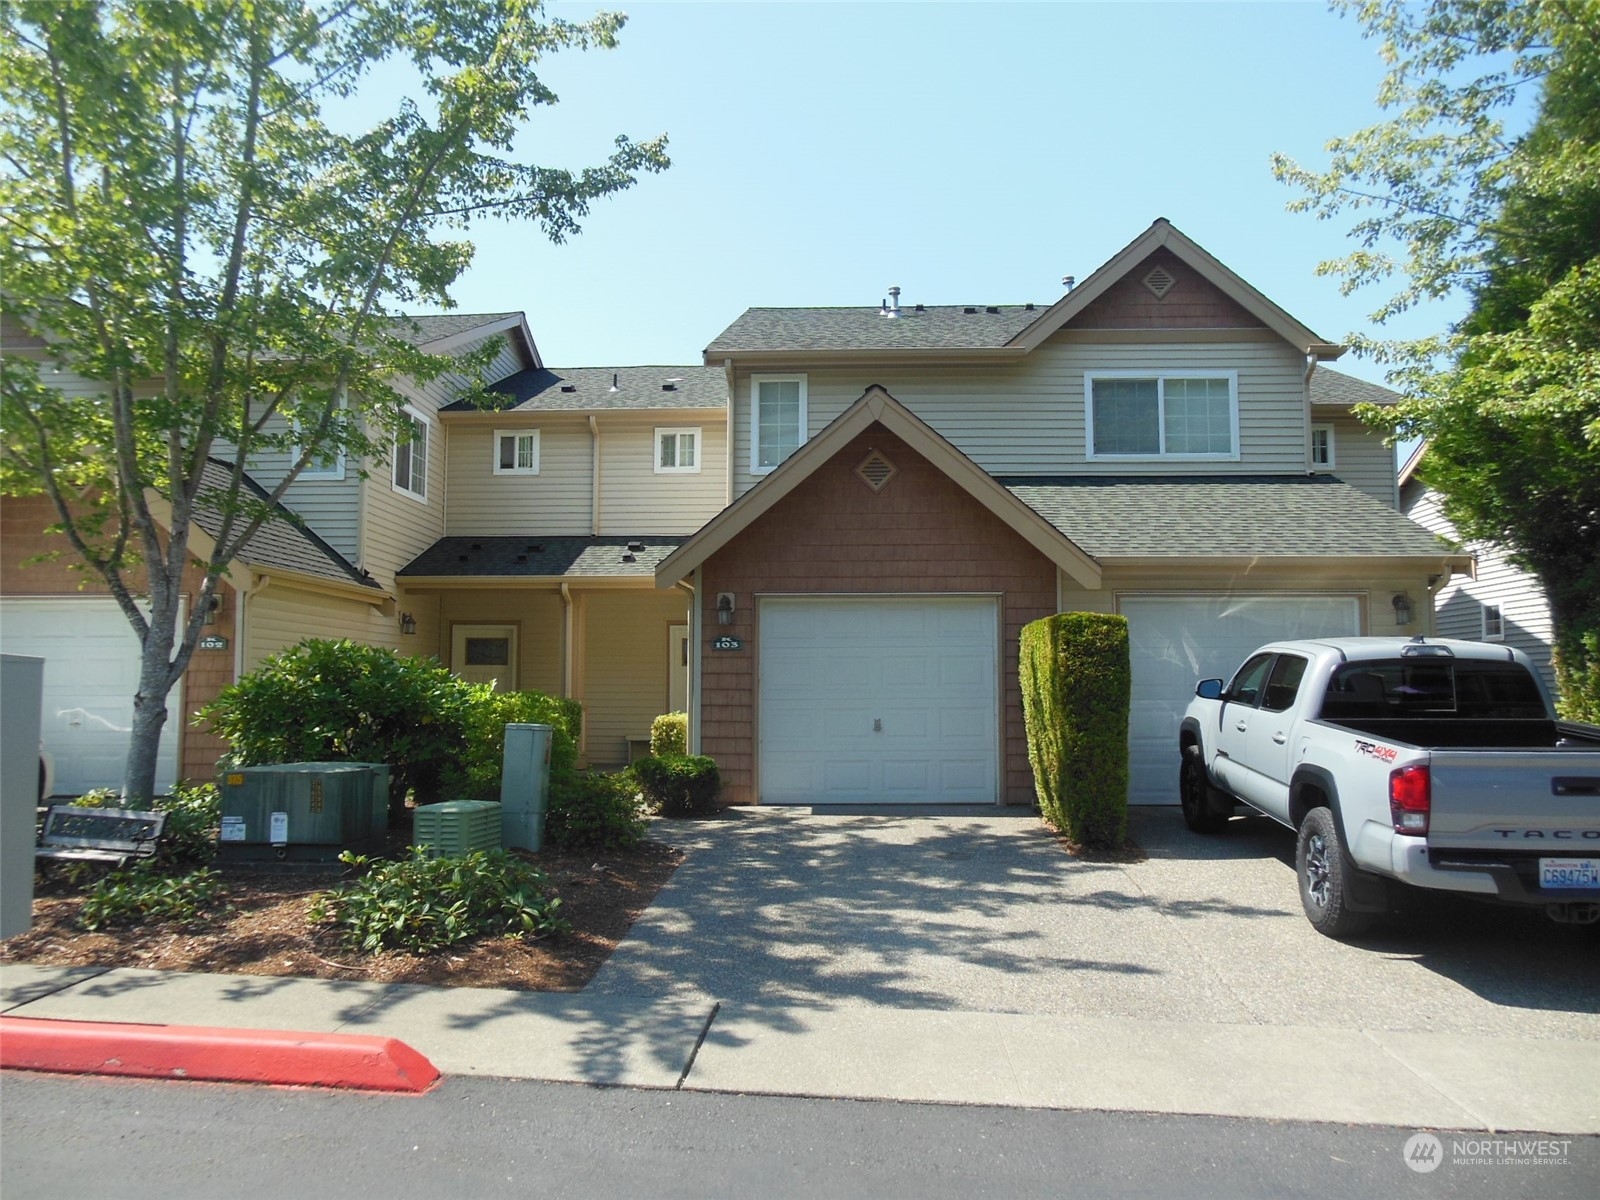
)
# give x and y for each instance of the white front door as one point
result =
(485, 654)
(1176, 641)
(91, 672)
(678, 668)
(879, 700)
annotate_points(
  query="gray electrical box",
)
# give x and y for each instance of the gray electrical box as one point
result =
(525, 786)
(21, 691)
(301, 812)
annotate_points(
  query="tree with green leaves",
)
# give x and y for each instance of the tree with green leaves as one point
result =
(189, 226)
(1447, 199)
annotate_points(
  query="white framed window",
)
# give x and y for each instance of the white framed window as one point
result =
(777, 419)
(328, 466)
(1144, 414)
(516, 451)
(411, 457)
(677, 451)
(1494, 623)
(1322, 445)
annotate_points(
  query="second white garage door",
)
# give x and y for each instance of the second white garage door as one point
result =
(879, 701)
(1175, 641)
(91, 671)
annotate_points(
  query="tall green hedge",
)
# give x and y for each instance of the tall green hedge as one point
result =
(1076, 679)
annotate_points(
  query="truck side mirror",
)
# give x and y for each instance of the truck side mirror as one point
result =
(1209, 689)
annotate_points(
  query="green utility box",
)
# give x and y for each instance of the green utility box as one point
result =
(457, 827)
(302, 812)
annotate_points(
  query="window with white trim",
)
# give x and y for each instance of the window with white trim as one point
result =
(410, 458)
(516, 451)
(326, 466)
(1136, 414)
(1322, 445)
(1494, 623)
(777, 419)
(677, 451)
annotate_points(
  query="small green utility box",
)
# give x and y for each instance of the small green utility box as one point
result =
(457, 827)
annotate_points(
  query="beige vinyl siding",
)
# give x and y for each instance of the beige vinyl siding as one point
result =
(283, 614)
(556, 501)
(538, 616)
(1458, 604)
(1027, 417)
(330, 507)
(635, 499)
(624, 680)
(506, 362)
(1359, 456)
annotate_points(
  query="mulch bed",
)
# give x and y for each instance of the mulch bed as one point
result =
(263, 929)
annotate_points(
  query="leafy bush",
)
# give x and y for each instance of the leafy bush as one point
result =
(420, 904)
(144, 893)
(330, 701)
(193, 815)
(1076, 677)
(669, 734)
(679, 785)
(477, 774)
(593, 811)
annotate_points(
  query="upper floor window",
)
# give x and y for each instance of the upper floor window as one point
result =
(516, 451)
(1494, 623)
(411, 456)
(1134, 414)
(677, 451)
(329, 465)
(777, 419)
(1322, 445)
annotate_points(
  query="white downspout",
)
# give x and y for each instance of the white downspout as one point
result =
(694, 661)
(566, 640)
(1305, 405)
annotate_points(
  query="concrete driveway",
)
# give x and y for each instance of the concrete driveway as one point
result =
(981, 912)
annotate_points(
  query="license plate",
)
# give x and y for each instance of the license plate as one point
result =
(1569, 872)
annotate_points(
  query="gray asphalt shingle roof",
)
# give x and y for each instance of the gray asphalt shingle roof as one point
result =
(937, 327)
(581, 389)
(1335, 387)
(419, 331)
(534, 555)
(281, 541)
(1229, 516)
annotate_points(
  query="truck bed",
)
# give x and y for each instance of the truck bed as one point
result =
(1453, 733)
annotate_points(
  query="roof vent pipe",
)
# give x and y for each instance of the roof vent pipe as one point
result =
(894, 302)
(613, 381)
(1069, 281)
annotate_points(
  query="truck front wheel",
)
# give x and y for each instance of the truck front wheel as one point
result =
(1322, 868)
(1194, 793)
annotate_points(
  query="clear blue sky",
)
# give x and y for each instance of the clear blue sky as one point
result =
(970, 153)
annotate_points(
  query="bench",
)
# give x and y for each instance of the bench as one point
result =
(111, 835)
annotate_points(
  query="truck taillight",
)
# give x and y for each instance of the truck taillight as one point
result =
(1410, 800)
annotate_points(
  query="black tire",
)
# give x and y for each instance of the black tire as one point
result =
(1320, 865)
(1194, 793)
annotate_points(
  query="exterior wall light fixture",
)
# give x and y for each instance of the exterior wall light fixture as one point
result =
(724, 608)
(1402, 608)
(408, 623)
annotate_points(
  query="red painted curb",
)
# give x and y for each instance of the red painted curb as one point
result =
(337, 1060)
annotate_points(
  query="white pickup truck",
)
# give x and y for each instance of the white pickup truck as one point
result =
(1432, 763)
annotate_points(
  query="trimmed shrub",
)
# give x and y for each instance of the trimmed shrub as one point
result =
(144, 893)
(420, 904)
(476, 775)
(593, 811)
(327, 701)
(679, 785)
(669, 734)
(1076, 678)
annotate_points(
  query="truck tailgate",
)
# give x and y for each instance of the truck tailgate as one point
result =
(1542, 801)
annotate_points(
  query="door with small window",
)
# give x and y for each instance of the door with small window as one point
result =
(485, 654)
(1266, 745)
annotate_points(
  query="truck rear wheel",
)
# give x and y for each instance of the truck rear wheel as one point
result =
(1194, 793)
(1322, 868)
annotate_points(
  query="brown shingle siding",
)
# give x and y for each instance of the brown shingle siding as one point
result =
(921, 534)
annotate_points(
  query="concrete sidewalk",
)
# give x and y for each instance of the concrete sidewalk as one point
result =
(1316, 1073)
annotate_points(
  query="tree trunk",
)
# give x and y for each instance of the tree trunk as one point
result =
(149, 712)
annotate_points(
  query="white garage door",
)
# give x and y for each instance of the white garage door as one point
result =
(91, 671)
(1176, 641)
(879, 701)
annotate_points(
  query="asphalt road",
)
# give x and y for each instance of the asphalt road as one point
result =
(86, 1138)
